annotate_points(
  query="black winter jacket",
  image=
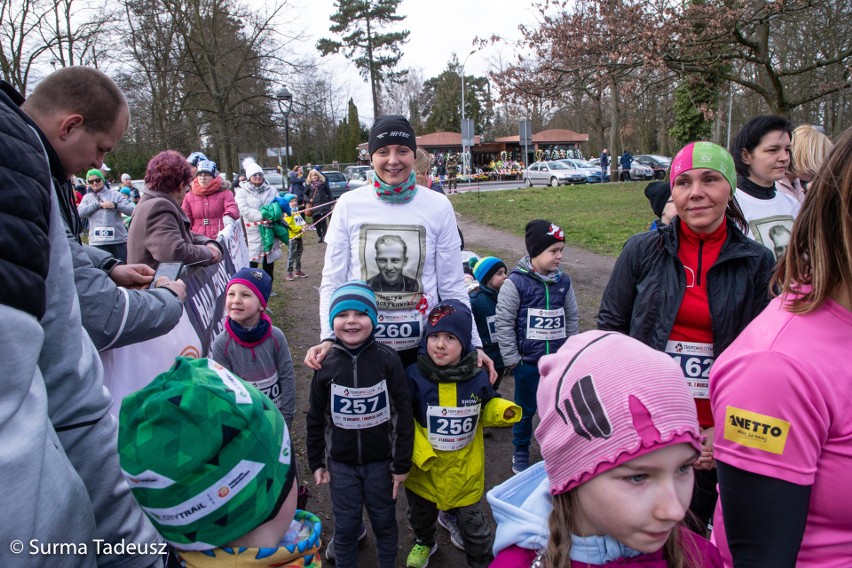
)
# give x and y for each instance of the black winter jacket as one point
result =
(319, 196)
(648, 282)
(392, 439)
(24, 209)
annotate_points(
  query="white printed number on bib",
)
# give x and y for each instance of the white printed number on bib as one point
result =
(451, 427)
(695, 360)
(546, 324)
(270, 388)
(104, 232)
(491, 321)
(356, 409)
(399, 330)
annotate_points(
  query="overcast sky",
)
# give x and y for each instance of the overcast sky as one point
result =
(438, 28)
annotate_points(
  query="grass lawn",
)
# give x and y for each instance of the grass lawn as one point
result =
(597, 217)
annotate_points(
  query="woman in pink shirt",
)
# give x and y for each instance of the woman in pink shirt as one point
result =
(781, 397)
(208, 204)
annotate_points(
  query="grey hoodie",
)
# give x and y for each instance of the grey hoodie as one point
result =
(60, 466)
(106, 226)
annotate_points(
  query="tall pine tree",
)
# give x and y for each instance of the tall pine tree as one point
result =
(349, 135)
(358, 25)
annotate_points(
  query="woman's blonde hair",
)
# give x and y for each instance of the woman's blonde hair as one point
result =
(422, 162)
(820, 251)
(561, 525)
(809, 150)
(316, 173)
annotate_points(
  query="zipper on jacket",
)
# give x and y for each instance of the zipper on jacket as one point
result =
(547, 307)
(355, 385)
(700, 259)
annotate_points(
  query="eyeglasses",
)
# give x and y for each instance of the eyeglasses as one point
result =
(95, 180)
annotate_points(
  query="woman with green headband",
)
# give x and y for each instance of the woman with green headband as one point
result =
(689, 288)
(103, 207)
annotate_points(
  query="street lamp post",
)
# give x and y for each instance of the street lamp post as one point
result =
(285, 105)
(465, 169)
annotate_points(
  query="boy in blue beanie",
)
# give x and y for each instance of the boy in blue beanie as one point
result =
(360, 432)
(453, 400)
(490, 272)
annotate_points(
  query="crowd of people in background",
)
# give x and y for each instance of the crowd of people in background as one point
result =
(704, 423)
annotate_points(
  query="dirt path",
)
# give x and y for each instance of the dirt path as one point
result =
(295, 311)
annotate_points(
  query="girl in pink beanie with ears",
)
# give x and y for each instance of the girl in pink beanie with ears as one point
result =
(619, 434)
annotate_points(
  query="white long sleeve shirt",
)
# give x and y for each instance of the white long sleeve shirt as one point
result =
(427, 225)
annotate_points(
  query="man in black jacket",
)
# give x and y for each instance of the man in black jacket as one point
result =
(112, 316)
(60, 466)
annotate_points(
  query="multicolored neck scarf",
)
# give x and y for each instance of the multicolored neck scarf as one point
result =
(398, 193)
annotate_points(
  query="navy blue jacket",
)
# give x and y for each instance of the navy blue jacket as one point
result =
(536, 293)
(483, 303)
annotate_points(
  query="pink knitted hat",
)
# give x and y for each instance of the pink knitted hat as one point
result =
(605, 399)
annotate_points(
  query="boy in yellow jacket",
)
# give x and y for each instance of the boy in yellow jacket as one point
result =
(296, 226)
(452, 401)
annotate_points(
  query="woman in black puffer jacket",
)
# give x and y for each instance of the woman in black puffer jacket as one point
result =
(691, 287)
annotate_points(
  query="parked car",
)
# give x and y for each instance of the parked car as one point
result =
(637, 172)
(337, 183)
(553, 174)
(356, 172)
(275, 180)
(360, 179)
(593, 173)
(660, 164)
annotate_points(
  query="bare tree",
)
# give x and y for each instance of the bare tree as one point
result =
(19, 21)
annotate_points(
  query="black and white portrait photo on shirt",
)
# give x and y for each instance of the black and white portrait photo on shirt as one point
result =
(773, 233)
(392, 258)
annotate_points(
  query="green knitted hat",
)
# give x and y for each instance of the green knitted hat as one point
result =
(206, 454)
(94, 172)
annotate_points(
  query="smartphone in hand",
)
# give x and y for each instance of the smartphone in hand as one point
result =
(170, 270)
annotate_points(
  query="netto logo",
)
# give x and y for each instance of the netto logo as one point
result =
(754, 430)
(755, 426)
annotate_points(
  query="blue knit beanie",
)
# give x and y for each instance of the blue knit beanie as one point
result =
(485, 268)
(283, 201)
(451, 316)
(257, 280)
(354, 295)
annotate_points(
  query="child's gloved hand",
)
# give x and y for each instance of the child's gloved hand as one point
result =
(398, 479)
(321, 476)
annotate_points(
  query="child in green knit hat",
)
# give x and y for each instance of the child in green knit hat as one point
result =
(209, 459)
